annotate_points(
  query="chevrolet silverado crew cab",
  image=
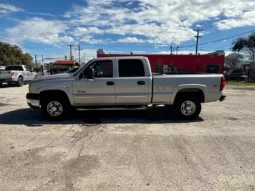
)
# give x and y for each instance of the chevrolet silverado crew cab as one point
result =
(17, 74)
(123, 83)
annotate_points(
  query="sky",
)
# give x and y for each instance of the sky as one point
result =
(122, 26)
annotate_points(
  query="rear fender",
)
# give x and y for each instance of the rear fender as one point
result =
(187, 87)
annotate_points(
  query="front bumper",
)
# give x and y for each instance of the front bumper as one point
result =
(222, 98)
(33, 100)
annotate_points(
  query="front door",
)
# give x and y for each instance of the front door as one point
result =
(99, 91)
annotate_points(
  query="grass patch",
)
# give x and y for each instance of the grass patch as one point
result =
(235, 83)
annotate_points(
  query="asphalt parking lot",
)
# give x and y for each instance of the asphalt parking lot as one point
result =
(128, 150)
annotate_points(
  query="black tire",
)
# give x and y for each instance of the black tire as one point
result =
(188, 107)
(62, 108)
(20, 82)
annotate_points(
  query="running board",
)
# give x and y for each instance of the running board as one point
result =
(111, 109)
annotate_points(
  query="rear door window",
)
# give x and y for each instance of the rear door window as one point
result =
(131, 68)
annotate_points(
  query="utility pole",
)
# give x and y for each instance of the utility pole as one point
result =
(71, 53)
(42, 59)
(79, 49)
(171, 48)
(177, 49)
(198, 37)
(35, 60)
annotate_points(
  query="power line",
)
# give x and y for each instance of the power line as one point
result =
(219, 40)
(145, 45)
(53, 58)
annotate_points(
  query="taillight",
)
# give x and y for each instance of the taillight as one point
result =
(222, 84)
(12, 73)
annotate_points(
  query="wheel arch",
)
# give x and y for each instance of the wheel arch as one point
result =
(57, 93)
(20, 75)
(198, 90)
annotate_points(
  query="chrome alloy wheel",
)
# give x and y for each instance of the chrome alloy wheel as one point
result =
(188, 108)
(54, 108)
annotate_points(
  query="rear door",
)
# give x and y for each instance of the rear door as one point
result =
(132, 84)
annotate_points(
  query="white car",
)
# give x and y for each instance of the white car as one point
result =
(18, 74)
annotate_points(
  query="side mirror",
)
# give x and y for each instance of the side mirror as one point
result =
(91, 73)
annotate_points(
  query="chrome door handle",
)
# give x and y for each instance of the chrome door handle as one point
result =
(141, 83)
(109, 83)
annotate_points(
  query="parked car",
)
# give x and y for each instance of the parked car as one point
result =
(17, 74)
(236, 75)
(123, 83)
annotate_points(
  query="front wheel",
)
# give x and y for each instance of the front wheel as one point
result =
(54, 109)
(188, 107)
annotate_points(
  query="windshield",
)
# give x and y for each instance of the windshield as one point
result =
(14, 68)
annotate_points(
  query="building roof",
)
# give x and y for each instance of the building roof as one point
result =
(63, 62)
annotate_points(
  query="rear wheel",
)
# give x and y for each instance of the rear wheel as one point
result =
(20, 82)
(55, 108)
(188, 107)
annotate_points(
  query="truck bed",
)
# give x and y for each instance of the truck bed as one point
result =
(166, 86)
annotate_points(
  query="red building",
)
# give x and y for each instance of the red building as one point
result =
(61, 66)
(166, 63)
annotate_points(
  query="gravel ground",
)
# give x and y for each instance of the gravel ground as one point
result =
(128, 150)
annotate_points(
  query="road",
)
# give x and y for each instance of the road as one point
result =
(128, 150)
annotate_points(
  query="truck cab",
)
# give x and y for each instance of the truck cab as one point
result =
(115, 82)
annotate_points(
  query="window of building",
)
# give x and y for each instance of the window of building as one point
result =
(213, 68)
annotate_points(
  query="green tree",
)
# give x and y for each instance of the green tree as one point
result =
(233, 60)
(246, 45)
(12, 54)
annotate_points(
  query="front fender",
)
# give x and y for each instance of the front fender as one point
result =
(67, 89)
(187, 87)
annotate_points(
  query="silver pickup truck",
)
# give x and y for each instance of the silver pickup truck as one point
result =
(17, 74)
(123, 83)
